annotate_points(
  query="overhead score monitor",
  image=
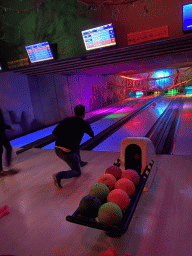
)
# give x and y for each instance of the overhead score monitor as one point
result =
(187, 18)
(99, 37)
(39, 52)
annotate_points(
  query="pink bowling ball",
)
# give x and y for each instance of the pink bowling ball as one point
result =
(115, 171)
(131, 175)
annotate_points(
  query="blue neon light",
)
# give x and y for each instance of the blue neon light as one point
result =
(187, 17)
(162, 82)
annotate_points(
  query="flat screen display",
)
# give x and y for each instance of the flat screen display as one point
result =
(187, 18)
(39, 52)
(99, 37)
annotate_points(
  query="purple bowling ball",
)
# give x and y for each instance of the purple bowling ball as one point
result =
(89, 206)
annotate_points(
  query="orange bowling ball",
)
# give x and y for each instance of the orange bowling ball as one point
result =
(126, 185)
(108, 179)
(109, 252)
(119, 197)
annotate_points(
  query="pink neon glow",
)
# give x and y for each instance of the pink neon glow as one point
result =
(101, 111)
(125, 110)
(152, 78)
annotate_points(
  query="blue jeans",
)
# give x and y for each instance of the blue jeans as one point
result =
(73, 159)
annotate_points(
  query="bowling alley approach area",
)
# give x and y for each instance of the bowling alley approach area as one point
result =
(107, 209)
(36, 224)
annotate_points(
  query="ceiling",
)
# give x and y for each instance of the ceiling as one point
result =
(171, 53)
(106, 2)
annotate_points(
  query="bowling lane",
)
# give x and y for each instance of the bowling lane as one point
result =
(108, 120)
(108, 109)
(136, 127)
(183, 141)
(21, 141)
(24, 140)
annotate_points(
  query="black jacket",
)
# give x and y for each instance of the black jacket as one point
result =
(70, 132)
(3, 125)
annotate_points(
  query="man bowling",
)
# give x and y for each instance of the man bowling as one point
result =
(69, 133)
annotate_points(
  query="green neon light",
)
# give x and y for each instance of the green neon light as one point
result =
(171, 92)
(115, 116)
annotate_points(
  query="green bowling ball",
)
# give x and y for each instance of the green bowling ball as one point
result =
(99, 190)
(110, 214)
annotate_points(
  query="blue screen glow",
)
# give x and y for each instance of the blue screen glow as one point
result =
(136, 94)
(99, 37)
(188, 90)
(39, 52)
(187, 17)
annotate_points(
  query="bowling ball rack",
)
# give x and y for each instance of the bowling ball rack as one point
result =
(116, 230)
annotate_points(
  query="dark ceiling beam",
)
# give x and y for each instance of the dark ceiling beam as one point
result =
(177, 48)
